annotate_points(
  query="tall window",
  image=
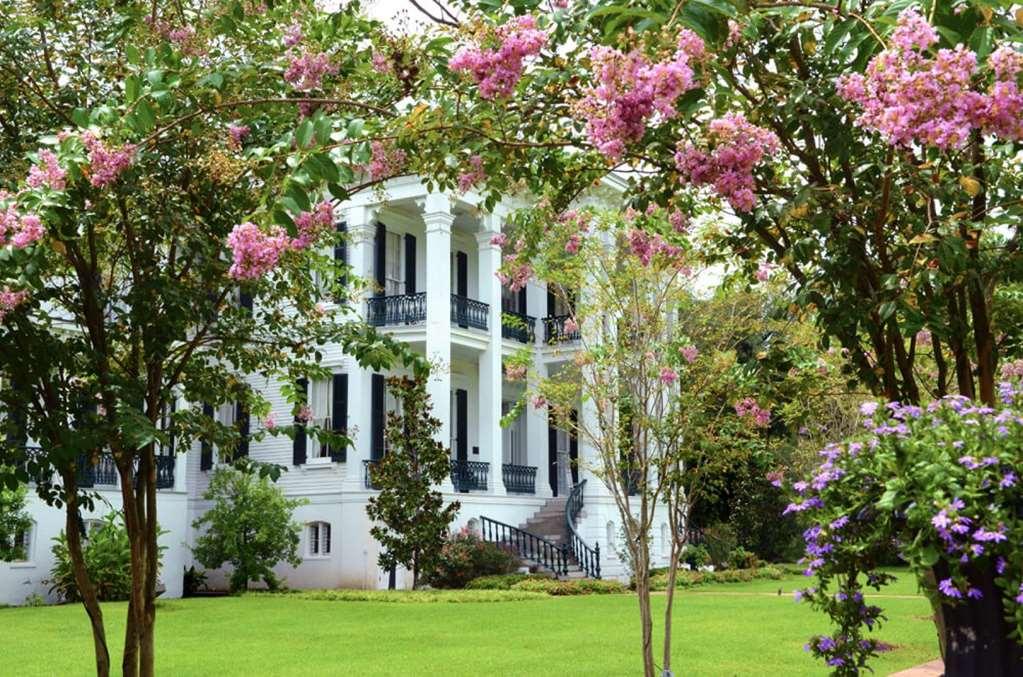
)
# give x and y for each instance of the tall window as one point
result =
(319, 539)
(514, 437)
(21, 545)
(394, 269)
(321, 395)
(509, 300)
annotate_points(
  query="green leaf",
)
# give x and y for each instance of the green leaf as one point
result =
(355, 127)
(145, 116)
(304, 133)
(132, 87)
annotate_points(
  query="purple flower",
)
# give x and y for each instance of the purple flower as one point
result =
(868, 408)
(825, 643)
(1000, 565)
(975, 593)
(836, 661)
(982, 535)
(941, 520)
(840, 522)
(949, 589)
(1008, 480)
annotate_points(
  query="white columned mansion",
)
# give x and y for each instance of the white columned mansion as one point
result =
(433, 264)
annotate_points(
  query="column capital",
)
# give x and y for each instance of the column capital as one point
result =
(483, 239)
(435, 205)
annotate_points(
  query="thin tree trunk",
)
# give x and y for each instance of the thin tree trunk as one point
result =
(147, 639)
(134, 523)
(642, 573)
(86, 589)
(669, 599)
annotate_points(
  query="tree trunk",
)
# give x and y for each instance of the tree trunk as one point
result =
(642, 573)
(86, 589)
(134, 521)
(130, 656)
(147, 483)
(669, 599)
(977, 640)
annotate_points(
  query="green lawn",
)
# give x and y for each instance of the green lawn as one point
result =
(729, 629)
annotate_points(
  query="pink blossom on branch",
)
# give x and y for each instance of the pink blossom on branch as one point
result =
(312, 224)
(106, 164)
(47, 173)
(748, 408)
(497, 71)
(689, 353)
(386, 160)
(255, 252)
(629, 90)
(735, 148)
(306, 70)
(9, 300)
(472, 176)
(19, 231)
(236, 134)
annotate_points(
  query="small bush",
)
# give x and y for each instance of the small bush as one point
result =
(688, 579)
(740, 558)
(466, 557)
(696, 556)
(582, 586)
(720, 541)
(194, 582)
(107, 556)
(502, 581)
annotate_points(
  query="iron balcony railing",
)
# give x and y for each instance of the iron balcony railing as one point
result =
(587, 557)
(518, 327)
(103, 472)
(368, 480)
(466, 312)
(402, 309)
(469, 475)
(519, 479)
(547, 554)
(554, 329)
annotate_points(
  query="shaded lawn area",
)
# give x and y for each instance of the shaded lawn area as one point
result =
(724, 629)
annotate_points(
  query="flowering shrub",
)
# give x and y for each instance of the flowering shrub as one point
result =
(941, 482)
(498, 70)
(466, 557)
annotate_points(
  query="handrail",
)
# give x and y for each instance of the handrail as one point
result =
(519, 479)
(588, 558)
(518, 326)
(556, 332)
(469, 475)
(398, 309)
(467, 312)
(547, 554)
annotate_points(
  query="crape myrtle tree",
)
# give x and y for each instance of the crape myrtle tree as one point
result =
(163, 167)
(656, 388)
(411, 519)
(868, 148)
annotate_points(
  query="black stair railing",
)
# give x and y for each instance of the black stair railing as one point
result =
(466, 312)
(401, 309)
(554, 330)
(546, 554)
(519, 479)
(469, 475)
(587, 557)
(518, 327)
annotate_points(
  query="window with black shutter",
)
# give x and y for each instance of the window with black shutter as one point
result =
(377, 416)
(341, 253)
(410, 264)
(206, 449)
(380, 262)
(339, 414)
(241, 417)
(298, 447)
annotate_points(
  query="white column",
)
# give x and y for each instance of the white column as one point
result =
(491, 379)
(590, 463)
(361, 234)
(537, 441)
(437, 218)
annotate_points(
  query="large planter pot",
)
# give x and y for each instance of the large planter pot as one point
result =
(976, 633)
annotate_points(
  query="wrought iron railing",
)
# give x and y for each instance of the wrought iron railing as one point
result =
(466, 312)
(101, 473)
(519, 479)
(469, 475)
(382, 311)
(165, 472)
(554, 330)
(518, 327)
(587, 557)
(367, 474)
(547, 554)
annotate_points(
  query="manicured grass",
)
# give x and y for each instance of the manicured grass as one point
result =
(727, 629)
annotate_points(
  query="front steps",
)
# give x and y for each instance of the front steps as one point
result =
(548, 523)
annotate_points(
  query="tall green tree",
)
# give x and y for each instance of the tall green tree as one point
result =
(14, 522)
(412, 520)
(250, 527)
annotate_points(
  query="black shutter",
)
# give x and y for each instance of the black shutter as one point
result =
(462, 260)
(410, 264)
(381, 258)
(551, 303)
(339, 414)
(298, 444)
(241, 419)
(170, 422)
(377, 416)
(522, 301)
(245, 300)
(206, 449)
(462, 421)
(341, 252)
(573, 448)
(552, 456)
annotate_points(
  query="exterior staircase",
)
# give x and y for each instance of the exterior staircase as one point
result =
(547, 541)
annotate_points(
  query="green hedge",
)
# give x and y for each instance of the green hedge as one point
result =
(502, 581)
(688, 579)
(413, 596)
(582, 586)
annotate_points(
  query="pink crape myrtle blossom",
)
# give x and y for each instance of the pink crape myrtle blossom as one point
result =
(9, 300)
(293, 35)
(736, 148)
(306, 70)
(386, 160)
(689, 353)
(668, 376)
(106, 164)
(764, 271)
(381, 64)
(630, 90)
(515, 372)
(270, 423)
(498, 239)
(646, 246)
(679, 221)
(47, 173)
(472, 176)
(312, 224)
(571, 326)
(305, 414)
(497, 71)
(19, 231)
(748, 408)
(909, 96)
(236, 134)
(255, 252)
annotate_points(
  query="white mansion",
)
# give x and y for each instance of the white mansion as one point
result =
(528, 484)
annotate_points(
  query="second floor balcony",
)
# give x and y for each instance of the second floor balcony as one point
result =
(410, 309)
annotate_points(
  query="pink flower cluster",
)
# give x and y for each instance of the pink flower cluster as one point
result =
(910, 97)
(293, 35)
(236, 134)
(748, 408)
(668, 376)
(577, 225)
(306, 70)
(48, 173)
(1011, 370)
(381, 64)
(475, 174)
(736, 147)
(630, 90)
(9, 300)
(182, 36)
(19, 231)
(497, 71)
(645, 246)
(689, 353)
(515, 372)
(764, 271)
(386, 160)
(106, 164)
(255, 252)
